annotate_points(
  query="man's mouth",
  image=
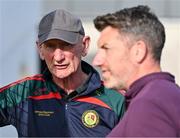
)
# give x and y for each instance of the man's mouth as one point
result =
(104, 73)
(61, 66)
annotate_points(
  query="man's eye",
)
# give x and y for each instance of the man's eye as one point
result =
(49, 46)
(105, 48)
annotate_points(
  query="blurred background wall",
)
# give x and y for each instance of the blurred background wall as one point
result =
(18, 32)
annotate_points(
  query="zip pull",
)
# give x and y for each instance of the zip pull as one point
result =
(66, 106)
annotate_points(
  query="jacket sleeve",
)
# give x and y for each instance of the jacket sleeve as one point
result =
(10, 96)
(3, 109)
(3, 118)
(14, 95)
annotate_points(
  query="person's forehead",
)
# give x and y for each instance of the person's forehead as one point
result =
(108, 34)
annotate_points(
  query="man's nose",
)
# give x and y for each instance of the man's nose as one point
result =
(59, 54)
(98, 60)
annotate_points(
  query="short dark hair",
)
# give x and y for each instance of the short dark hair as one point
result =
(139, 22)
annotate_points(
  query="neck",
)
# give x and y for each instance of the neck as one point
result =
(72, 82)
(143, 70)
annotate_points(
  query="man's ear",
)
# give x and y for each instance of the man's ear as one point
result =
(39, 47)
(139, 51)
(85, 43)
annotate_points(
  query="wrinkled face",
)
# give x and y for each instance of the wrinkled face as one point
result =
(63, 59)
(113, 58)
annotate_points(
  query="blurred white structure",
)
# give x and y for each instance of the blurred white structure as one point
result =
(18, 56)
(18, 25)
(171, 52)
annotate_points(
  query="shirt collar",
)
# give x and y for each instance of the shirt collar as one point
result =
(136, 86)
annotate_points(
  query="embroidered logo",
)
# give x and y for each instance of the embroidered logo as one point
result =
(90, 118)
(44, 113)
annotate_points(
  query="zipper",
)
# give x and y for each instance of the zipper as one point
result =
(66, 106)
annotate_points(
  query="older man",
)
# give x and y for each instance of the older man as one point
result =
(68, 99)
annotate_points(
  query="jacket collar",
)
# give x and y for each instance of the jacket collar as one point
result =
(92, 82)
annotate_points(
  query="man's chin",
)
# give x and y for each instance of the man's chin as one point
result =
(110, 85)
(107, 84)
(60, 76)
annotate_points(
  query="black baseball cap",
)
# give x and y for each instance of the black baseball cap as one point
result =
(62, 25)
